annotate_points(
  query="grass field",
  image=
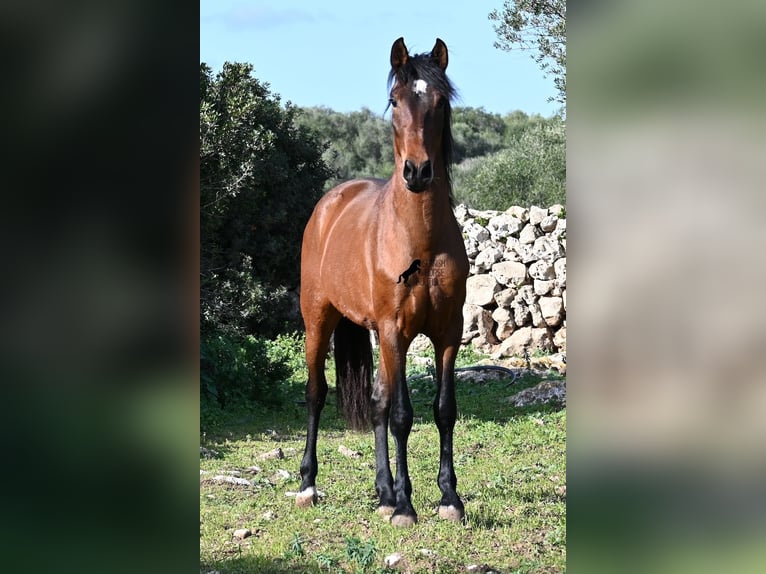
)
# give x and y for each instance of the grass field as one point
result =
(511, 469)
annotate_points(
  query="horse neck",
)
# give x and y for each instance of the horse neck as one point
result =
(422, 215)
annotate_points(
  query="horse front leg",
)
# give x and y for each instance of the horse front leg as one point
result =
(317, 344)
(393, 386)
(316, 392)
(384, 481)
(445, 413)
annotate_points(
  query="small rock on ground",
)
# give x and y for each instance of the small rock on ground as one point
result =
(272, 454)
(345, 451)
(242, 533)
(231, 480)
(280, 475)
(208, 453)
(543, 393)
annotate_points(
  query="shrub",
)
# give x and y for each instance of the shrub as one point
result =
(235, 369)
(260, 177)
(531, 172)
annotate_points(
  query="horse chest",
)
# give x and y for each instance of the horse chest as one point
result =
(435, 283)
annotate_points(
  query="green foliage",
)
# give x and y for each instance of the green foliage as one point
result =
(260, 177)
(531, 172)
(516, 123)
(235, 369)
(296, 546)
(358, 144)
(288, 350)
(476, 132)
(326, 561)
(362, 553)
(234, 302)
(540, 27)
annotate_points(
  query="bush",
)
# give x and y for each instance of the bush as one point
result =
(235, 303)
(235, 369)
(238, 369)
(288, 350)
(260, 178)
(531, 172)
(358, 144)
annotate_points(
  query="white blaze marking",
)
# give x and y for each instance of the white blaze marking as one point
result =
(419, 87)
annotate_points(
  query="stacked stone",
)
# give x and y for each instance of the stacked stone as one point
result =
(516, 291)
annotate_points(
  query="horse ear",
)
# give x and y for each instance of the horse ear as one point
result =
(439, 53)
(399, 54)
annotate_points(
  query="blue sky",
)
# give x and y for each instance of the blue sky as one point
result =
(335, 53)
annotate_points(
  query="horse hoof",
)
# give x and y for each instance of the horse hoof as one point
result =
(386, 511)
(451, 513)
(404, 520)
(306, 498)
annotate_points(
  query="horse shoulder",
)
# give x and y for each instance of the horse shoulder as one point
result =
(343, 199)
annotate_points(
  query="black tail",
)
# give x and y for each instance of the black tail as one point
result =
(353, 373)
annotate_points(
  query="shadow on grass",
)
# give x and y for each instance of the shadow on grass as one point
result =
(262, 565)
(486, 401)
(246, 418)
(481, 520)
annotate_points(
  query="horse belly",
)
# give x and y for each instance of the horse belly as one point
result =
(347, 286)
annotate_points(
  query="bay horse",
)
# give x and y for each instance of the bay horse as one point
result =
(364, 237)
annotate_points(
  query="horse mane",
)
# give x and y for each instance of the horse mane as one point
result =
(426, 68)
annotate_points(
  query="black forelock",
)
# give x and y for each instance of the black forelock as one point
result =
(423, 67)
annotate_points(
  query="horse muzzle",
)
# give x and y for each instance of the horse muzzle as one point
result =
(418, 177)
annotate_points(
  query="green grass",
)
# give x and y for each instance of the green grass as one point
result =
(511, 468)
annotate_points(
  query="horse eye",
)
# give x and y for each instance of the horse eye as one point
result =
(392, 102)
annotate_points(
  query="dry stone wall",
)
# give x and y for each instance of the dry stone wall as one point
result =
(516, 292)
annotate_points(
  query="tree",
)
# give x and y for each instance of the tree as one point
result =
(260, 177)
(540, 26)
(532, 171)
(358, 144)
(476, 132)
(516, 123)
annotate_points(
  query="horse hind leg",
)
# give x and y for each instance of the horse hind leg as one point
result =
(318, 335)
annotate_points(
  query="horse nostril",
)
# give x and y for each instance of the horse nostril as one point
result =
(425, 171)
(417, 177)
(409, 171)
